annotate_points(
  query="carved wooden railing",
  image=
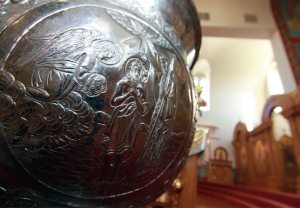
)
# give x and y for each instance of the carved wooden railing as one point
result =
(258, 155)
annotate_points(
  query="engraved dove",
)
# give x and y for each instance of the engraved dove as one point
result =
(145, 36)
(155, 17)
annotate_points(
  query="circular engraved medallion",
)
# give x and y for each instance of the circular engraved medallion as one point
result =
(108, 52)
(96, 107)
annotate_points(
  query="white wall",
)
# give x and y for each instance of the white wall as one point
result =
(238, 74)
(227, 18)
(229, 13)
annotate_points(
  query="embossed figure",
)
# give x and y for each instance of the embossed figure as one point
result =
(161, 125)
(49, 110)
(69, 59)
(130, 105)
(89, 96)
(164, 112)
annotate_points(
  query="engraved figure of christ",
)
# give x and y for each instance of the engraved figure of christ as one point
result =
(121, 133)
(160, 128)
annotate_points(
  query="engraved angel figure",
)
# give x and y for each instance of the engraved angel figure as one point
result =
(68, 59)
(130, 105)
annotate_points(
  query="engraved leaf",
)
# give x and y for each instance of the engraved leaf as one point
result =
(121, 19)
(146, 36)
(143, 46)
(132, 41)
(151, 47)
(137, 27)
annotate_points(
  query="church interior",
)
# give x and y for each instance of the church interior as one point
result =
(246, 149)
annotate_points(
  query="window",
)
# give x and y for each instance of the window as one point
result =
(274, 81)
(204, 84)
(201, 73)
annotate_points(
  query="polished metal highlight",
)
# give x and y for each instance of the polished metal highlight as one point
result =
(97, 104)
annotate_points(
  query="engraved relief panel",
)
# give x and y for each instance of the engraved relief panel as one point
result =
(83, 106)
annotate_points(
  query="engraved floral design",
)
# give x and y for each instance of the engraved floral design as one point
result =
(145, 36)
(151, 15)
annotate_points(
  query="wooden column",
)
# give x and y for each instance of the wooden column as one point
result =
(268, 178)
(251, 175)
(295, 125)
(188, 195)
(294, 121)
(240, 142)
(292, 113)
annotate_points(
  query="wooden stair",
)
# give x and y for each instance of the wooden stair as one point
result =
(243, 196)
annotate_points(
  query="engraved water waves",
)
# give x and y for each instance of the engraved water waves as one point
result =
(50, 117)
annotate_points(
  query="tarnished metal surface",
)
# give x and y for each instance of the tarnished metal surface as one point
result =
(96, 100)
